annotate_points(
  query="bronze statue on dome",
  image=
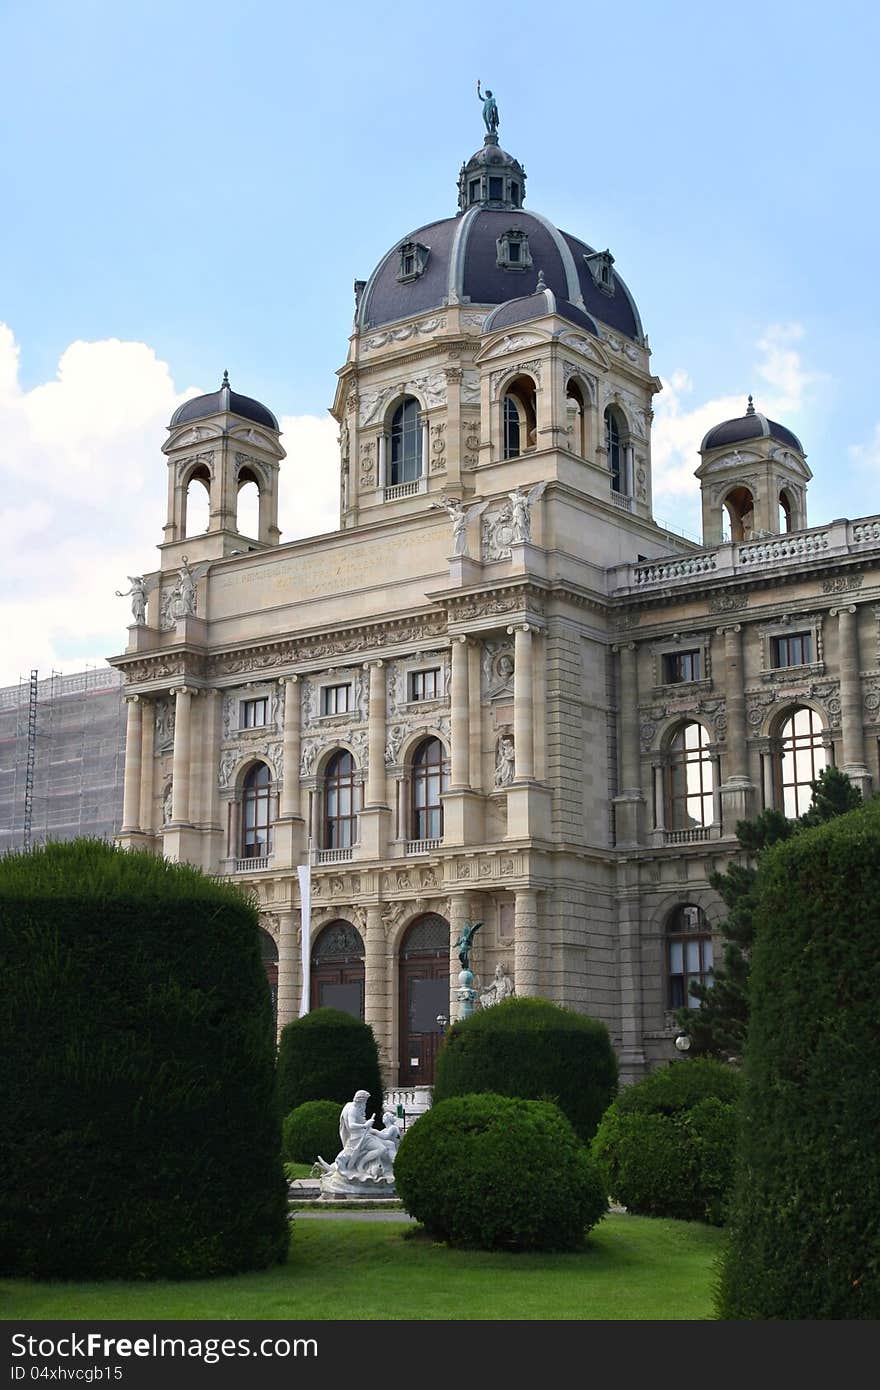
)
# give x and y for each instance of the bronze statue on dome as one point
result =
(490, 110)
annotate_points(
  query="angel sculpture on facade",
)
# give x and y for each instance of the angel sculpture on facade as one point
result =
(521, 503)
(466, 941)
(490, 110)
(180, 602)
(460, 517)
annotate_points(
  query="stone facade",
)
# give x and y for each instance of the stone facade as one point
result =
(556, 655)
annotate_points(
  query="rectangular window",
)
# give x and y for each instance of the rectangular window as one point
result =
(682, 666)
(513, 250)
(254, 713)
(425, 685)
(335, 699)
(475, 191)
(496, 188)
(793, 650)
(514, 194)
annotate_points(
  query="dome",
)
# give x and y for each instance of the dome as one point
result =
(535, 306)
(752, 425)
(465, 259)
(217, 402)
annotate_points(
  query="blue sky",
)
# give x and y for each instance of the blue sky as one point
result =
(195, 186)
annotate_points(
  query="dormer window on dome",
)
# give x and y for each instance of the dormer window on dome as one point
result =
(413, 260)
(600, 263)
(513, 250)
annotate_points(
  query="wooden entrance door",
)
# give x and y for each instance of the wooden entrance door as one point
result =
(337, 975)
(424, 994)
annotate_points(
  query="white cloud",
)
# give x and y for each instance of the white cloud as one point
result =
(83, 485)
(866, 457)
(678, 428)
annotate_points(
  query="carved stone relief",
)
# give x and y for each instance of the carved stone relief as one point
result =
(406, 331)
(497, 669)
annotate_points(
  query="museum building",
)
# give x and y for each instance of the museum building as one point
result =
(499, 692)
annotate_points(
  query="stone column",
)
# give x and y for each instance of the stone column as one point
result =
(147, 781)
(376, 734)
(382, 464)
(629, 804)
(180, 766)
(523, 712)
(289, 971)
(737, 793)
(376, 984)
(852, 727)
(426, 445)
(526, 947)
(452, 452)
(290, 793)
(131, 787)
(460, 721)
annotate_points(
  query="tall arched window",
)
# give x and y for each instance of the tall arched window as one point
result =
(740, 507)
(688, 955)
(519, 417)
(577, 419)
(428, 783)
(614, 446)
(247, 515)
(256, 793)
(690, 779)
(197, 503)
(340, 802)
(785, 511)
(801, 757)
(406, 443)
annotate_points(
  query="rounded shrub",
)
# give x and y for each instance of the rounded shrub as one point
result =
(312, 1129)
(328, 1055)
(535, 1050)
(666, 1144)
(140, 1134)
(497, 1173)
(805, 1216)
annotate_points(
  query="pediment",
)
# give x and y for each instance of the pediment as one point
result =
(587, 347)
(504, 343)
(791, 462)
(256, 439)
(730, 462)
(188, 435)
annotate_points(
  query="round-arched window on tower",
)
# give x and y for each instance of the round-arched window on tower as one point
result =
(406, 443)
(614, 448)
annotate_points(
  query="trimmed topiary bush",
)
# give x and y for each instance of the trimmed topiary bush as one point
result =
(805, 1217)
(666, 1145)
(328, 1055)
(312, 1129)
(140, 1136)
(536, 1050)
(499, 1174)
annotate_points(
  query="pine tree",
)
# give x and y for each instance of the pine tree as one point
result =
(718, 1027)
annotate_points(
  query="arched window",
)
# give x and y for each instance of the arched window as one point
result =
(340, 802)
(519, 417)
(256, 792)
(423, 983)
(690, 779)
(247, 516)
(800, 758)
(688, 956)
(197, 504)
(785, 512)
(428, 783)
(406, 443)
(577, 419)
(614, 447)
(740, 507)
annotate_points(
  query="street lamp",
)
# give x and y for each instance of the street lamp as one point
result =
(683, 1042)
(442, 1020)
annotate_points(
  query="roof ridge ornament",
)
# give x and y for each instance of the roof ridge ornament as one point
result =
(542, 283)
(750, 409)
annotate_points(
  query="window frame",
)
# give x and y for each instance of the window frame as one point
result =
(673, 661)
(247, 707)
(419, 676)
(783, 642)
(425, 814)
(339, 826)
(681, 936)
(800, 745)
(330, 696)
(677, 764)
(406, 440)
(255, 796)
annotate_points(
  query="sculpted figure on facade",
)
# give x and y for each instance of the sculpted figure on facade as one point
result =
(500, 988)
(504, 761)
(138, 592)
(521, 503)
(460, 518)
(490, 110)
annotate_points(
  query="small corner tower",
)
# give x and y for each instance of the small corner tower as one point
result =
(753, 479)
(222, 442)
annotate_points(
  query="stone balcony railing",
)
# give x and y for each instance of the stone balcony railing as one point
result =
(737, 559)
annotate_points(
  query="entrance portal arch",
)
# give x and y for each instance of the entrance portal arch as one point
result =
(423, 980)
(337, 972)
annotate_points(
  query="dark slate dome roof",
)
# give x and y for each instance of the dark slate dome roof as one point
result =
(535, 306)
(216, 402)
(462, 265)
(752, 425)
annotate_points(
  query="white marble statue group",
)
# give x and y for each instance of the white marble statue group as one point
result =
(367, 1154)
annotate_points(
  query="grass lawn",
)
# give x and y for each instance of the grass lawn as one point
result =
(631, 1267)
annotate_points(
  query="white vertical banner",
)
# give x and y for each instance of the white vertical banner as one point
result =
(304, 874)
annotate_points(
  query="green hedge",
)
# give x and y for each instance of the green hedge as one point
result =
(312, 1130)
(805, 1219)
(328, 1055)
(666, 1145)
(535, 1050)
(495, 1173)
(139, 1134)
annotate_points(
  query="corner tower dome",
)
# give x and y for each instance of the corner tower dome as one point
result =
(490, 253)
(218, 402)
(752, 425)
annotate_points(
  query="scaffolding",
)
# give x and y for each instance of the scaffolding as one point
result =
(62, 752)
